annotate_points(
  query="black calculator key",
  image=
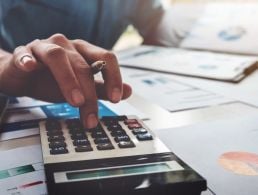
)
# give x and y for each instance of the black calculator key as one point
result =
(116, 133)
(114, 118)
(57, 144)
(81, 142)
(144, 137)
(112, 127)
(126, 144)
(54, 133)
(56, 138)
(52, 125)
(58, 150)
(76, 130)
(111, 122)
(74, 124)
(85, 148)
(105, 146)
(80, 135)
(101, 140)
(98, 134)
(134, 126)
(139, 131)
(98, 128)
(122, 138)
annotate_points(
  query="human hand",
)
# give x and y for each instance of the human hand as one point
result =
(57, 69)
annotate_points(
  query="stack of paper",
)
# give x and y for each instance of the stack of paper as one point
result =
(208, 65)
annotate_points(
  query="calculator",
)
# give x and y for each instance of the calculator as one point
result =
(120, 155)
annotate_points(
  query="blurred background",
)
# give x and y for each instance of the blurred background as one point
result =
(131, 37)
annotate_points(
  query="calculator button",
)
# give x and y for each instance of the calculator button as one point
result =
(81, 142)
(54, 133)
(58, 150)
(105, 146)
(118, 133)
(122, 138)
(110, 122)
(114, 127)
(101, 140)
(126, 144)
(74, 124)
(144, 137)
(52, 124)
(56, 144)
(56, 138)
(76, 130)
(85, 148)
(139, 131)
(78, 136)
(130, 121)
(98, 134)
(116, 118)
(97, 128)
(134, 126)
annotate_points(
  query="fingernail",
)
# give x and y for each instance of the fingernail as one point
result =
(27, 63)
(25, 59)
(77, 97)
(92, 121)
(116, 95)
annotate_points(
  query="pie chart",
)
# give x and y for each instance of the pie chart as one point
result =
(243, 163)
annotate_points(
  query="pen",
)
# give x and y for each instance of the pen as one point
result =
(98, 66)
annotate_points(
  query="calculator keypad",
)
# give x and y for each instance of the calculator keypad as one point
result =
(112, 133)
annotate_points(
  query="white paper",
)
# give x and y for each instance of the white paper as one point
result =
(30, 179)
(246, 91)
(22, 121)
(170, 94)
(228, 27)
(201, 145)
(25, 102)
(186, 62)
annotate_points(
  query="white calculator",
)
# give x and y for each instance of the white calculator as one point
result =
(120, 155)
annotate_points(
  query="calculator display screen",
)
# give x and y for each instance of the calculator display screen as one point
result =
(119, 171)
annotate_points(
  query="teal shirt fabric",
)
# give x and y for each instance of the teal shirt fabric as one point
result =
(100, 22)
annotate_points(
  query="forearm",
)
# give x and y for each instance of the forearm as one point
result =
(171, 29)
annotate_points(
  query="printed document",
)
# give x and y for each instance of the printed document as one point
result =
(224, 67)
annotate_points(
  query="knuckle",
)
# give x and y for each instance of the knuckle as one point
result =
(54, 51)
(33, 43)
(78, 41)
(58, 38)
(109, 56)
(19, 49)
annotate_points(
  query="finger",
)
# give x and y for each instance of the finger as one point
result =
(55, 58)
(61, 40)
(89, 110)
(111, 73)
(100, 88)
(23, 59)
